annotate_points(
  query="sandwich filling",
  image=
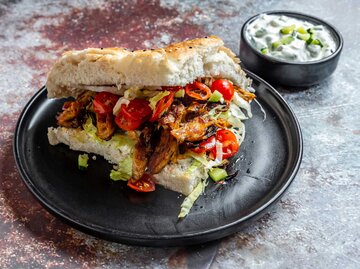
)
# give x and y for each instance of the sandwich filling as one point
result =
(201, 120)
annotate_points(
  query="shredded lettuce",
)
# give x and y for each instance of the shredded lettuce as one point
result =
(237, 100)
(198, 157)
(138, 92)
(180, 93)
(132, 92)
(190, 200)
(193, 167)
(123, 170)
(122, 140)
(213, 113)
(155, 99)
(91, 129)
(83, 161)
(236, 112)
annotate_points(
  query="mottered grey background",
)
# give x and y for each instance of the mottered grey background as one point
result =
(316, 224)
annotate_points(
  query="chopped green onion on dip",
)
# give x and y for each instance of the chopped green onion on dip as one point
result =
(290, 39)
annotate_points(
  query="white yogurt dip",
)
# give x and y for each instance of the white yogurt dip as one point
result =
(290, 39)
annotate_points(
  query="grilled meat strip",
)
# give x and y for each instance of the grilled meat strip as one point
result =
(105, 126)
(195, 110)
(187, 124)
(194, 130)
(72, 113)
(174, 116)
(164, 151)
(247, 96)
(142, 152)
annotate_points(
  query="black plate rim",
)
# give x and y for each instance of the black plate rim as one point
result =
(160, 240)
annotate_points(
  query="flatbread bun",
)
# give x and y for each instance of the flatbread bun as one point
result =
(118, 68)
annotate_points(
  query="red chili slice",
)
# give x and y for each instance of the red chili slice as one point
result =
(198, 91)
(161, 106)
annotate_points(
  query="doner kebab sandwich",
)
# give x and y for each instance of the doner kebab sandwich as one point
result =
(170, 116)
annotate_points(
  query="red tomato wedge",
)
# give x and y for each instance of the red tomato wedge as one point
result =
(229, 143)
(134, 114)
(127, 124)
(104, 102)
(198, 91)
(224, 87)
(137, 109)
(161, 106)
(144, 184)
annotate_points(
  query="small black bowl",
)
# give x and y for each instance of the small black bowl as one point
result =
(282, 72)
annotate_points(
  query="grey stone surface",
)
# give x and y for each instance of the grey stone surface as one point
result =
(317, 222)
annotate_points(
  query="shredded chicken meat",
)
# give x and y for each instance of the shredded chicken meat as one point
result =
(247, 96)
(182, 126)
(164, 151)
(73, 111)
(105, 126)
(142, 152)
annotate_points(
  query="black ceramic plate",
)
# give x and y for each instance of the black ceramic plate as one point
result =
(90, 201)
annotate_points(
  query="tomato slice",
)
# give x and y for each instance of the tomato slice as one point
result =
(144, 184)
(161, 106)
(225, 87)
(127, 124)
(198, 91)
(229, 142)
(171, 88)
(205, 146)
(137, 109)
(134, 114)
(104, 102)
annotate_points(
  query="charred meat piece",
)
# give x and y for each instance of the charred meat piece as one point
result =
(193, 130)
(69, 116)
(223, 108)
(247, 96)
(142, 152)
(85, 98)
(164, 151)
(195, 110)
(174, 116)
(105, 126)
(73, 111)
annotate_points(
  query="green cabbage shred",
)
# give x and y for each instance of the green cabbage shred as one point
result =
(123, 170)
(154, 100)
(190, 200)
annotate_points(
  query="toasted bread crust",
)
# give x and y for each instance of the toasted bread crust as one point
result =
(174, 65)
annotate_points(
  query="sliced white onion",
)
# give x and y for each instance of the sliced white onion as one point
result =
(111, 89)
(261, 108)
(237, 100)
(236, 112)
(219, 152)
(122, 100)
